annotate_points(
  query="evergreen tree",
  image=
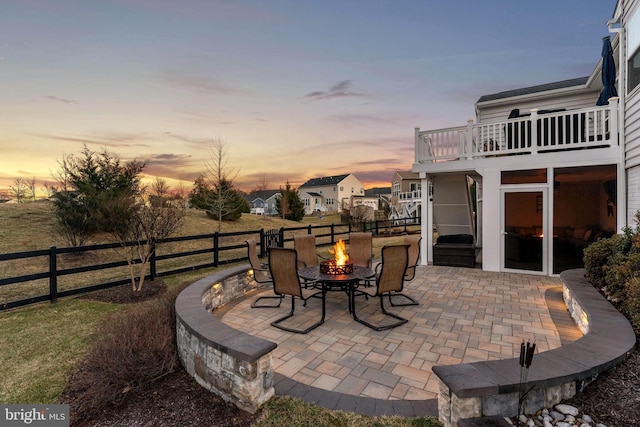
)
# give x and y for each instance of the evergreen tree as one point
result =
(288, 203)
(200, 193)
(91, 192)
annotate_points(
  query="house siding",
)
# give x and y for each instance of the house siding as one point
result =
(633, 193)
(631, 125)
(583, 99)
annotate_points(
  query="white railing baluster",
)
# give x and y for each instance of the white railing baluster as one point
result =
(560, 130)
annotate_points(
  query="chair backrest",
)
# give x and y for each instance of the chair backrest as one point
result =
(253, 253)
(284, 272)
(413, 241)
(394, 263)
(305, 246)
(361, 249)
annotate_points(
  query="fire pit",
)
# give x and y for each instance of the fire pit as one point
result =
(332, 267)
(339, 265)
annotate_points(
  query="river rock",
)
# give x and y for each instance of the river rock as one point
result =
(567, 409)
(557, 416)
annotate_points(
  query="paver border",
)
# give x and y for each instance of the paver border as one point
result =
(233, 364)
(492, 387)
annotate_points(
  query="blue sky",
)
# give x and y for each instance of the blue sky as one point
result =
(296, 89)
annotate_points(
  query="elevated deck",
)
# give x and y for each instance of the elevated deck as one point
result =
(537, 133)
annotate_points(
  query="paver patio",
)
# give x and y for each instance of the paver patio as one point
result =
(465, 315)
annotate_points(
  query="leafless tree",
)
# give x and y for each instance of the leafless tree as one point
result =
(263, 184)
(220, 178)
(31, 190)
(181, 191)
(62, 176)
(160, 188)
(359, 214)
(142, 233)
(283, 205)
(20, 189)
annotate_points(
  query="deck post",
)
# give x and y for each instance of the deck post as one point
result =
(469, 140)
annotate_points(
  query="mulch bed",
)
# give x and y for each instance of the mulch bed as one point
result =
(124, 294)
(614, 398)
(178, 400)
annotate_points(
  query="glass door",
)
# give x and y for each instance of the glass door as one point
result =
(524, 221)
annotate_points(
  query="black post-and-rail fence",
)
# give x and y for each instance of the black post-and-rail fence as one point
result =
(232, 243)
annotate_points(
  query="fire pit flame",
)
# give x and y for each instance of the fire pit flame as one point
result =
(340, 264)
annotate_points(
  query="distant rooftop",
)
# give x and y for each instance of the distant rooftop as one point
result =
(260, 194)
(377, 191)
(325, 180)
(581, 81)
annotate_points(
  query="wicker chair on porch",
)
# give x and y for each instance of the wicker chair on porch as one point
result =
(283, 266)
(389, 278)
(414, 258)
(261, 275)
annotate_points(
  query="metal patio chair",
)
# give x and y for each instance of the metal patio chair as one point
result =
(305, 246)
(389, 278)
(361, 249)
(283, 264)
(414, 258)
(261, 275)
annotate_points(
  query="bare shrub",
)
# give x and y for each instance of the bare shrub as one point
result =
(130, 350)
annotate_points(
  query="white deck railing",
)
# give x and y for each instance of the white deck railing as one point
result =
(410, 195)
(538, 132)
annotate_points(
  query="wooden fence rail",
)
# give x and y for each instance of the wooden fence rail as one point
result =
(230, 244)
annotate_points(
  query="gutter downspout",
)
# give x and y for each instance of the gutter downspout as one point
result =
(615, 28)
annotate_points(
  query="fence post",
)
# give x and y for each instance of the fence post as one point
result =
(333, 237)
(152, 265)
(53, 275)
(377, 230)
(216, 238)
(281, 242)
(263, 245)
(309, 230)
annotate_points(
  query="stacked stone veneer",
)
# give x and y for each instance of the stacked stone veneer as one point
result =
(232, 364)
(491, 388)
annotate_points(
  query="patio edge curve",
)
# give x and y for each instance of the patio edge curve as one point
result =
(492, 388)
(234, 365)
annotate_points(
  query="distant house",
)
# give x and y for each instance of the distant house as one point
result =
(406, 195)
(329, 194)
(313, 201)
(263, 202)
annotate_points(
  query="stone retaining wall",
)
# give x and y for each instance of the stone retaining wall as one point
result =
(491, 388)
(232, 364)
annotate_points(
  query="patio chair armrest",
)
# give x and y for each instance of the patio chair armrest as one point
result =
(377, 269)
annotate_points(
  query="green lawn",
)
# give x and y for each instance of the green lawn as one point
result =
(40, 344)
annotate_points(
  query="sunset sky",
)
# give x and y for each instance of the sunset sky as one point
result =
(297, 89)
